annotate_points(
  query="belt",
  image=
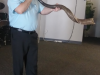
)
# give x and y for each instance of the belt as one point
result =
(20, 30)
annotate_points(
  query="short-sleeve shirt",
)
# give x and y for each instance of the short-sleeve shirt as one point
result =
(29, 19)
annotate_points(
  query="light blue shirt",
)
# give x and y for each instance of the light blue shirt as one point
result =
(29, 19)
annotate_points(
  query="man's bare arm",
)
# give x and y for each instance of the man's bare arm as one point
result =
(23, 6)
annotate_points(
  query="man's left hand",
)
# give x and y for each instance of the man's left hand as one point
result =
(56, 9)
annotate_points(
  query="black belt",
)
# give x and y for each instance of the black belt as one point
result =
(20, 30)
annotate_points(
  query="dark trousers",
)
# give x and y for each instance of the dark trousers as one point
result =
(24, 48)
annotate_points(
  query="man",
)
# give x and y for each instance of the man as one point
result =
(23, 16)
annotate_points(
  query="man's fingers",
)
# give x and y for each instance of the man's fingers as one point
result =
(57, 4)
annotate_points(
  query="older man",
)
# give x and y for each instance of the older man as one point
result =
(23, 16)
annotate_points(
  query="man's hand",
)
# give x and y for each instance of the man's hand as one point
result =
(46, 10)
(56, 9)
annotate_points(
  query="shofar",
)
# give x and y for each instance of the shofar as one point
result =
(89, 21)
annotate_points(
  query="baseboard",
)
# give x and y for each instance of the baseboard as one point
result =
(60, 41)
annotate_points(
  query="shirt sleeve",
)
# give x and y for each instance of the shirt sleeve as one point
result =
(41, 7)
(13, 4)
